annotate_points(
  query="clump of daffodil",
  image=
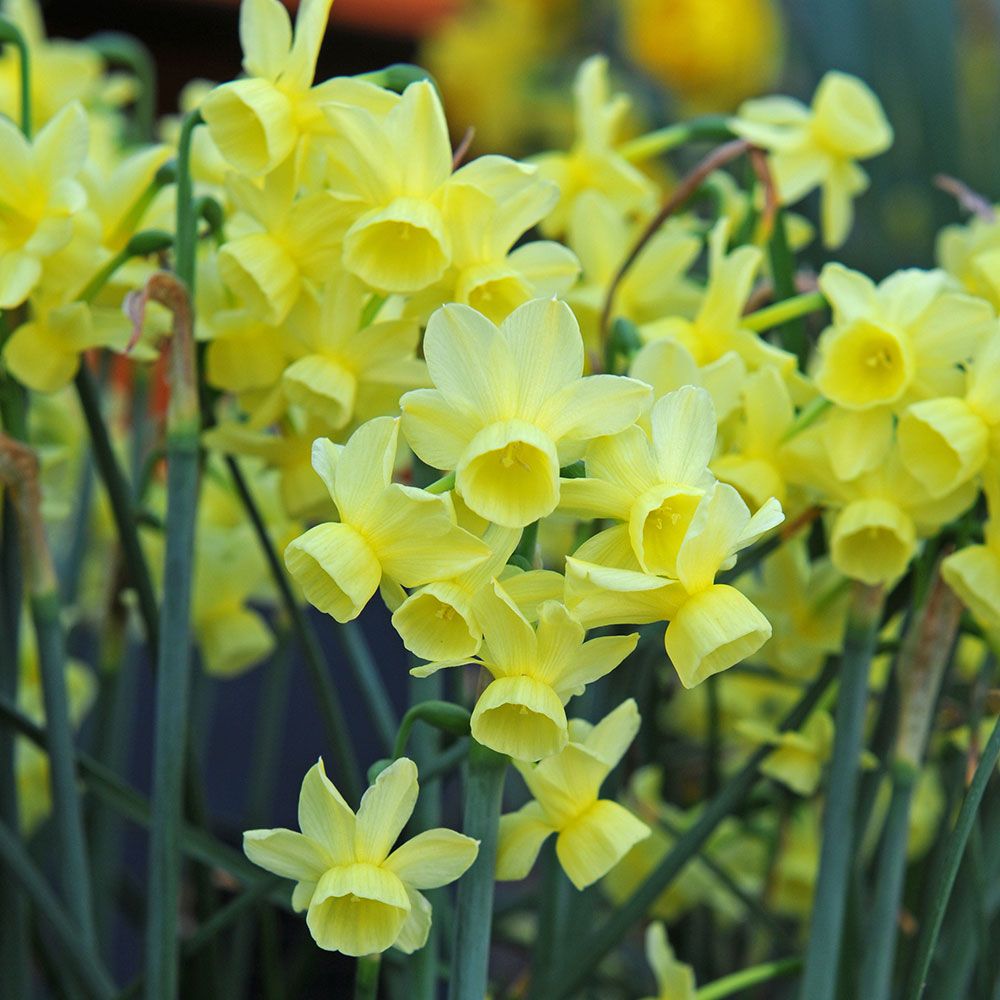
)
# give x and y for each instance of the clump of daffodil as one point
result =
(594, 163)
(592, 834)
(40, 193)
(385, 528)
(674, 979)
(889, 345)
(257, 121)
(819, 146)
(712, 54)
(511, 406)
(361, 896)
(535, 672)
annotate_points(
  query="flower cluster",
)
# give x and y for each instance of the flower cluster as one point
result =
(569, 442)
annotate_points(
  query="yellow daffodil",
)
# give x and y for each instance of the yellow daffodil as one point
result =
(889, 345)
(798, 757)
(39, 196)
(819, 146)
(592, 834)
(593, 163)
(510, 406)
(389, 175)
(521, 713)
(716, 328)
(279, 243)
(360, 895)
(667, 365)
(805, 602)
(947, 440)
(256, 122)
(488, 206)
(652, 482)
(674, 980)
(384, 528)
(438, 621)
(338, 355)
(790, 890)
(61, 72)
(712, 625)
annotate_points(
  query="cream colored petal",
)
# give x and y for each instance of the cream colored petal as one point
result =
(364, 469)
(470, 363)
(851, 294)
(713, 536)
(511, 640)
(546, 349)
(265, 36)
(286, 853)
(684, 431)
(325, 817)
(415, 931)
(626, 460)
(595, 842)
(416, 538)
(385, 809)
(433, 858)
(522, 834)
(60, 148)
(310, 27)
(435, 429)
(613, 735)
(586, 498)
(420, 134)
(594, 406)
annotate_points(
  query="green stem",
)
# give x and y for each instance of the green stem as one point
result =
(10, 32)
(331, 710)
(143, 244)
(86, 965)
(45, 612)
(173, 682)
(366, 977)
(474, 905)
(366, 675)
(120, 497)
(739, 981)
(806, 417)
(713, 128)
(782, 312)
(422, 966)
(442, 485)
(880, 940)
(576, 972)
(930, 924)
(794, 337)
(443, 715)
(819, 981)
(186, 244)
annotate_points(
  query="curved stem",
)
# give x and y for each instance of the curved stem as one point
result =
(782, 312)
(684, 190)
(743, 980)
(10, 32)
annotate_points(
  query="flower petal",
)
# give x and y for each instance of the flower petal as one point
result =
(522, 834)
(433, 858)
(324, 816)
(286, 853)
(385, 809)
